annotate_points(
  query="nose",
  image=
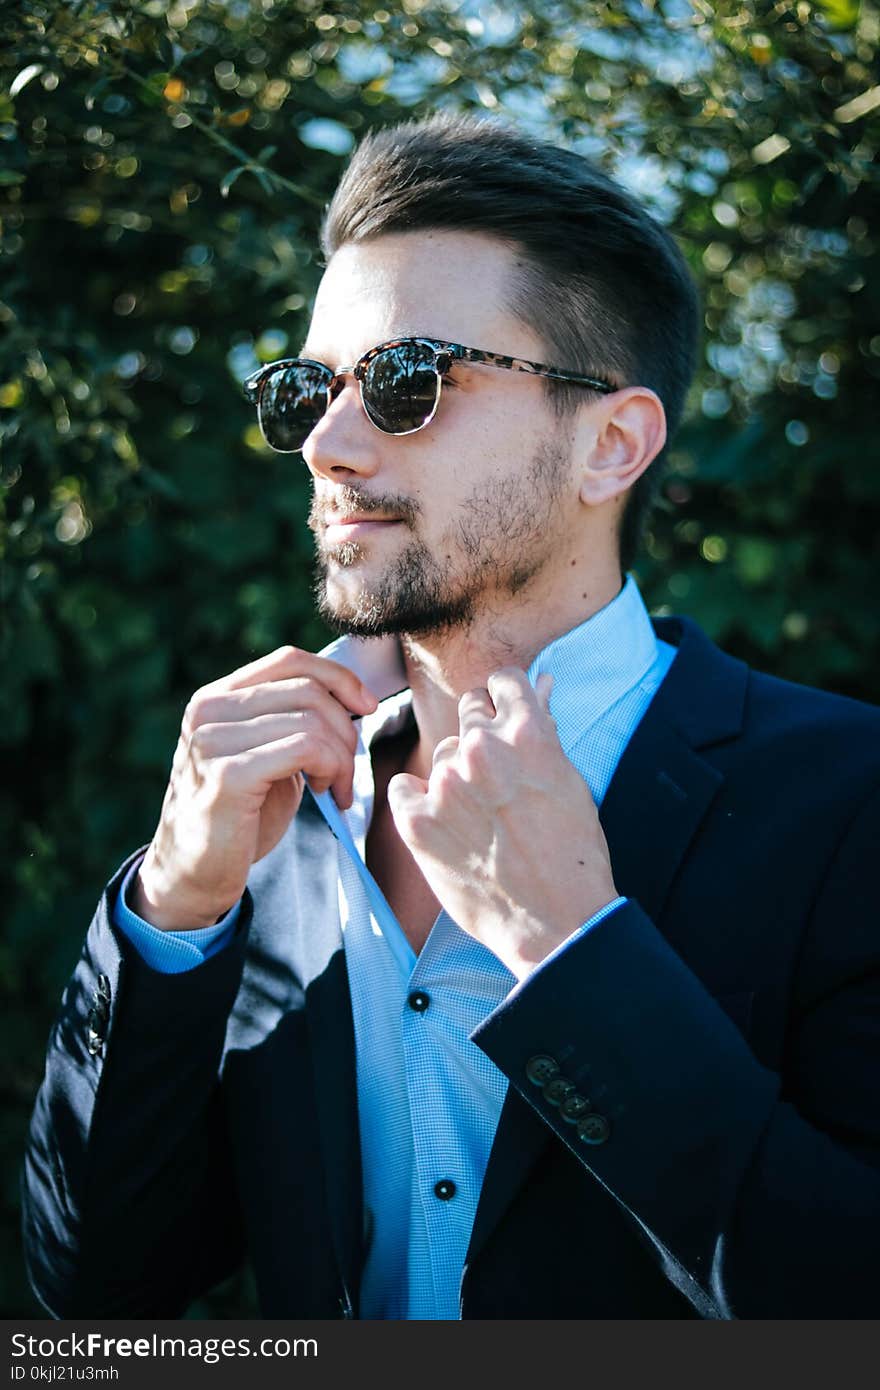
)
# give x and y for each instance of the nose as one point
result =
(343, 443)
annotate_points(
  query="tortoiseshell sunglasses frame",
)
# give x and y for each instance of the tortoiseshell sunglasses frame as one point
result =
(445, 355)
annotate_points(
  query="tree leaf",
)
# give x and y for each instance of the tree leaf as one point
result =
(229, 179)
(840, 14)
(21, 79)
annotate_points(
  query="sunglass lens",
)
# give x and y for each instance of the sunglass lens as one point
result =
(292, 402)
(401, 387)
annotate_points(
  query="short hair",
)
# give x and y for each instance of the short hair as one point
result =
(603, 284)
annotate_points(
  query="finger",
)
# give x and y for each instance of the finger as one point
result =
(510, 690)
(406, 794)
(255, 770)
(341, 786)
(544, 689)
(240, 736)
(288, 662)
(299, 696)
(446, 749)
(475, 711)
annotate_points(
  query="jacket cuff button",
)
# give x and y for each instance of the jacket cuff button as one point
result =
(593, 1129)
(541, 1069)
(557, 1090)
(573, 1108)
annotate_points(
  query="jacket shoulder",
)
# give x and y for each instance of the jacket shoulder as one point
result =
(713, 694)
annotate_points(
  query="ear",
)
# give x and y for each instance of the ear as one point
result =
(623, 434)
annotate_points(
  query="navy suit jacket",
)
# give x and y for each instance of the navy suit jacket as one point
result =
(726, 1022)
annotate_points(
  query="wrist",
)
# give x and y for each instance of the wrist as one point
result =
(526, 955)
(173, 910)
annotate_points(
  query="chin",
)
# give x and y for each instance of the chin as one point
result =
(343, 556)
(346, 604)
(409, 595)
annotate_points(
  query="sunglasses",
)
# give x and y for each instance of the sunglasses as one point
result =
(400, 383)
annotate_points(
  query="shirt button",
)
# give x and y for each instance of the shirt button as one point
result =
(541, 1069)
(444, 1189)
(418, 1001)
(593, 1129)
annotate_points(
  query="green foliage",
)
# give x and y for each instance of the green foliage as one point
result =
(162, 174)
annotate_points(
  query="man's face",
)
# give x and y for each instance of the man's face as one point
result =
(474, 508)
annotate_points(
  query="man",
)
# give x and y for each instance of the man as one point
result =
(528, 1059)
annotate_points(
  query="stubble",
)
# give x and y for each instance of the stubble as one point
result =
(504, 535)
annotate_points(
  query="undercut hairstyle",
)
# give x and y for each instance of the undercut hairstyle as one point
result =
(602, 284)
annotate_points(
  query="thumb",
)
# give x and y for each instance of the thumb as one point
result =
(405, 792)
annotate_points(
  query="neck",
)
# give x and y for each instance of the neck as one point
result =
(440, 668)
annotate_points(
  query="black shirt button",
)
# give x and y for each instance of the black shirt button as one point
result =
(557, 1090)
(418, 1001)
(573, 1108)
(593, 1129)
(103, 990)
(541, 1069)
(444, 1189)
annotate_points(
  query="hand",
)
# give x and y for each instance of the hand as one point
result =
(246, 743)
(505, 830)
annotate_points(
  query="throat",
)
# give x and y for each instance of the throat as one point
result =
(388, 859)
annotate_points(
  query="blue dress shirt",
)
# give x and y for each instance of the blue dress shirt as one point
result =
(428, 1098)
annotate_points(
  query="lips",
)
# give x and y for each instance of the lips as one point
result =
(356, 526)
(353, 518)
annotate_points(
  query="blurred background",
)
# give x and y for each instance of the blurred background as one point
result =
(163, 169)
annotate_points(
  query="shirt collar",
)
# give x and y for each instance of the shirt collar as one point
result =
(596, 663)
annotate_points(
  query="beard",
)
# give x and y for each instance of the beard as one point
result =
(506, 532)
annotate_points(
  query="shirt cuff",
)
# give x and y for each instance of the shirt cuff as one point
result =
(170, 952)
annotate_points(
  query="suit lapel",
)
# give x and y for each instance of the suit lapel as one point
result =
(656, 801)
(663, 787)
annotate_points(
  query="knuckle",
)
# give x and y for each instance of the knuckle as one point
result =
(199, 709)
(445, 746)
(445, 779)
(477, 750)
(295, 721)
(301, 741)
(316, 755)
(521, 732)
(202, 740)
(479, 693)
(249, 698)
(477, 743)
(187, 724)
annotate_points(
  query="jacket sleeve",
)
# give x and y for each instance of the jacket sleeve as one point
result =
(759, 1192)
(129, 1204)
